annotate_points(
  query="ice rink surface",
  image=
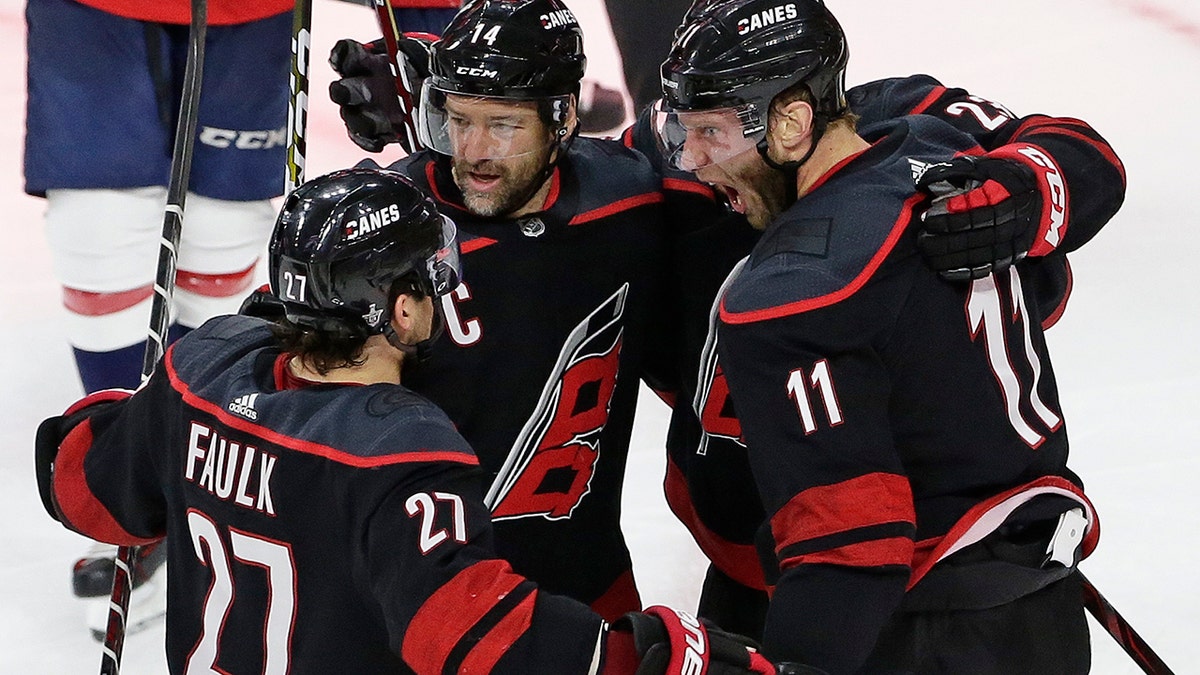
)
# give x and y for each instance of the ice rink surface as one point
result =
(1124, 352)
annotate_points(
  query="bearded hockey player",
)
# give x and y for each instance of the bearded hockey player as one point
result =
(991, 218)
(923, 509)
(311, 500)
(547, 336)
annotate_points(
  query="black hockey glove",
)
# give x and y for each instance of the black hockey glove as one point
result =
(367, 94)
(669, 641)
(990, 211)
(54, 430)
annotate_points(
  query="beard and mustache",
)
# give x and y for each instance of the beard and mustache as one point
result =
(514, 182)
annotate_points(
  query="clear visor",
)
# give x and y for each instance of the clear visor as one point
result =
(478, 128)
(443, 267)
(694, 139)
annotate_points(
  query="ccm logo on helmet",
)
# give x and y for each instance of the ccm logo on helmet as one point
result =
(476, 72)
(767, 17)
(558, 18)
(371, 222)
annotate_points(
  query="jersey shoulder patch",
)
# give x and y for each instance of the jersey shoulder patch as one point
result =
(828, 245)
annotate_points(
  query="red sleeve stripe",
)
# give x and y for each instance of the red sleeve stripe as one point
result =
(841, 294)
(682, 185)
(874, 553)
(307, 447)
(216, 285)
(872, 499)
(738, 561)
(617, 207)
(934, 95)
(76, 502)
(1103, 148)
(621, 597)
(447, 615)
(483, 657)
(88, 303)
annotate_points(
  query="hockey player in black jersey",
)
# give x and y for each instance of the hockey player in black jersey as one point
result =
(904, 433)
(547, 337)
(319, 516)
(992, 223)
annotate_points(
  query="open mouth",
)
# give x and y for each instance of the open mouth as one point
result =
(733, 197)
(481, 181)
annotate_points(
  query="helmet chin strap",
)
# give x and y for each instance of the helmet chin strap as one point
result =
(422, 349)
(792, 168)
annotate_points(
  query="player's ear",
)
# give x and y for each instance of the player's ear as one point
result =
(790, 129)
(404, 315)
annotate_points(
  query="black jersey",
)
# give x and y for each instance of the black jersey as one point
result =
(709, 486)
(546, 340)
(888, 415)
(324, 529)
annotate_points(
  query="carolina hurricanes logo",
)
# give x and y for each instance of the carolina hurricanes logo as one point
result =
(549, 469)
(712, 403)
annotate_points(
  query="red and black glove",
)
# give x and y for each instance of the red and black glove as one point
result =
(53, 431)
(661, 641)
(367, 94)
(990, 211)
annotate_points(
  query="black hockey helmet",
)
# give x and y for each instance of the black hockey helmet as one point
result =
(342, 240)
(737, 55)
(523, 50)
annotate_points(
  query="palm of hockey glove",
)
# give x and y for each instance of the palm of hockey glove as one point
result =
(990, 211)
(54, 430)
(669, 641)
(367, 96)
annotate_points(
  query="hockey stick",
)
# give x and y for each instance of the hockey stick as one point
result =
(1120, 630)
(391, 37)
(298, 104)
(160, 310)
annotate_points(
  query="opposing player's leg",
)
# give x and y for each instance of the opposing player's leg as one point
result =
(219, 250)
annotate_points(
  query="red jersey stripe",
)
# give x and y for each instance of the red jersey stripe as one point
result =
(299, 445)
(617, 207)
(738, 561)
(934, 95)
(621, 597)
(841, 294)
(871, 499)
(452, 610)
(483, 657)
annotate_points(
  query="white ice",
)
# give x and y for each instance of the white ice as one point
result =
(1126, 372)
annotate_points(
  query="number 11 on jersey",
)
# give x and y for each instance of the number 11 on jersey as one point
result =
(821, 382)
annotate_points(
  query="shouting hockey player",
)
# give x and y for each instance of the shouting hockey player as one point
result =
(925, 512)
(310, 499)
